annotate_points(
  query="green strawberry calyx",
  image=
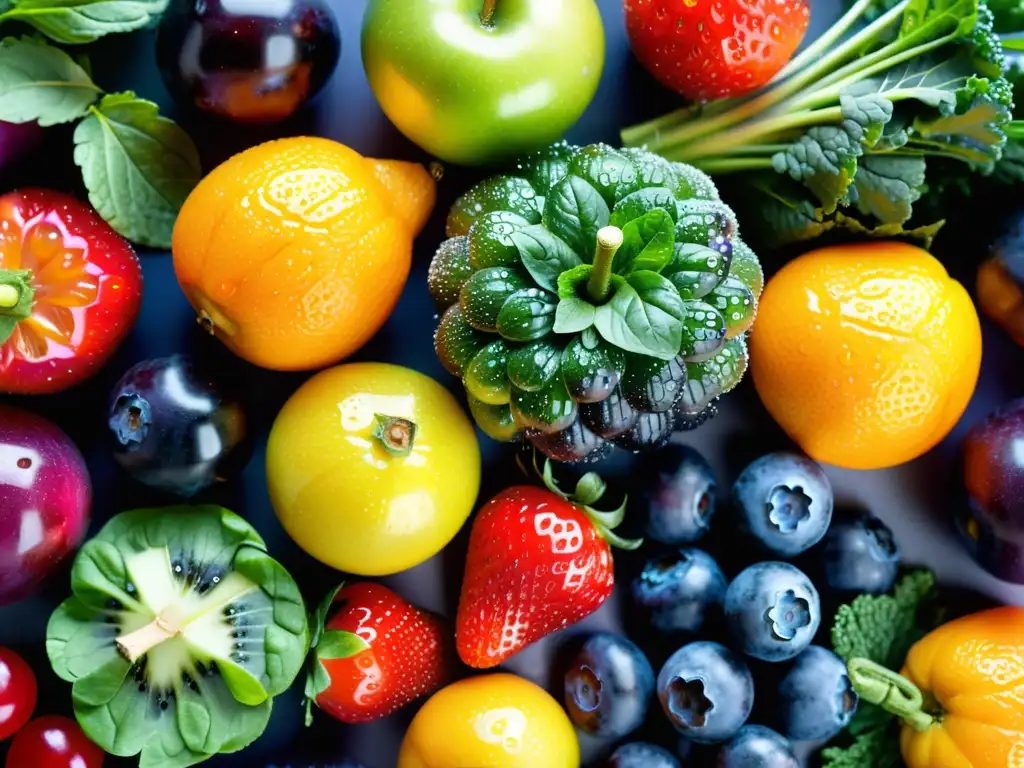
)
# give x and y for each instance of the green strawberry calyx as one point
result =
(590, 489)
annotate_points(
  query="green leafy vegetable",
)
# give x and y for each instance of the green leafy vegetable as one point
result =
(149, 638)
(326, 644)
(575, 211)
(83, 21)
(645, 315)
(545, 255)
(646, 243)
(40, 83)
(138, 167)
(857, 118)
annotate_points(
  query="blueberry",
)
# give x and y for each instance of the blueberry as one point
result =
(707, 692)
(608, 686)
(680, 589)
(861, 554)
(174, 428)
(815, 698)
(639, 754)
(757, 747)
(785, 503)
(772, 610)
(680, 498)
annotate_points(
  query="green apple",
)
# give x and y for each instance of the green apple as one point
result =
(478, 81)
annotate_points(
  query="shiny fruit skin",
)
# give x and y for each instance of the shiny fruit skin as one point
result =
(343, 498)
(18, 693)
(472, 93)
(405, 660)
(680, 495)
(755, 746)
(53, 742)
(87, 285)
(498, 721)
(815, 698)
(639, 754)
(680, 591)
(992, 525)
(216, 55)
(536, 564)
(44, 488)
(866, 355)
(859, 554)
(712, 49)
(173, 427)
(294, 252)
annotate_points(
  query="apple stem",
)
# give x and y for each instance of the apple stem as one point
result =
(395, 435)
(609, 240)
(487, 14)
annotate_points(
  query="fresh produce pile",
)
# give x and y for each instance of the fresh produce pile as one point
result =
(591, 302)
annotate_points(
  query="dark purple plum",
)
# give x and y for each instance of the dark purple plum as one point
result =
(815, 698)
(859, 554)
(251, 61)
(609, 685)
(755, 746)
(680, 496)
(784, 502)
(992, 525)
(680, 590)
(640, 754)
(45, 498)
(707, 692)
(174, 429)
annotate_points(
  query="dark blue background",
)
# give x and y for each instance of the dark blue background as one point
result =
(916, 499)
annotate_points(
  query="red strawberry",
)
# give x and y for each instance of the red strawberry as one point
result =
(375, 655)
(538, 562)
(712, 49)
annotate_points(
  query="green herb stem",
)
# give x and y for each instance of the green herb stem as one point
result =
(826, 41)
(724, 165)
(609, 240)
(487, 12)
(890, 691)
(1015, 130)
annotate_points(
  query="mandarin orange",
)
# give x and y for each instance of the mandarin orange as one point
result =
(294, 252)
(866, 355)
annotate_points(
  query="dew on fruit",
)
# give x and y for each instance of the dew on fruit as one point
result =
(687, 701)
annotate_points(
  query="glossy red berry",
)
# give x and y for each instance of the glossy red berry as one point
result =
(18, 693)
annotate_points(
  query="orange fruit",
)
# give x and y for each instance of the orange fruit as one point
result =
(294, 252)
(866, 355)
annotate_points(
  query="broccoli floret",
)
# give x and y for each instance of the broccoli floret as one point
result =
(988, 49)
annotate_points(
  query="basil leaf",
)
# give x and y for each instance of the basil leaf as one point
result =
(645, 315)
(574, 315)
(138, 167)
(40, 83)
(544, 255)
(635, 205)
(527, 314)
(646, 243)
(83, 21)
(337, 644)
(575, 211)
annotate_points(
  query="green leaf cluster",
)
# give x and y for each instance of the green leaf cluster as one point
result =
(326, 644)
(138, 167)
(858, 117)
(195, 693)
(82, 21)
(550, 327)
(881, 628)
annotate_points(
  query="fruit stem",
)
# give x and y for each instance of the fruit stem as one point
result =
(891, 691)
(487, 13)
(609, 240)
(395, 435)
(165, 626)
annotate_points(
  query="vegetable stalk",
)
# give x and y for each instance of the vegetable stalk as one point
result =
(609, 240)
(891, 691)
(487, 12)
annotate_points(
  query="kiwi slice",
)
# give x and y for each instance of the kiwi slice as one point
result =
(180, 631)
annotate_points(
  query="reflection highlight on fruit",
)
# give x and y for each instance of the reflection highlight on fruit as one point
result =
(866, 355)
(498, 720)
(372, 468)
(45, 499)
(294, 252)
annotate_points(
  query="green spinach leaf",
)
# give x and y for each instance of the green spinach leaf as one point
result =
(40, 83)
(575, 211)
(647, 243)
(635, 205)
(138, 167)
(645, 315)
(544, 255)
(84, 21)
(574, 315)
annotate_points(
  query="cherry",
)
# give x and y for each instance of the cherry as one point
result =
(53, 742)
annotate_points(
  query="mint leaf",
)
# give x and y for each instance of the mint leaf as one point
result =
(83, 21)
(575, 211)
(574, 315)
(544, 255)
(40, 83)
(138, 167)
(886, 186)
(644, 315)
(646, 243)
